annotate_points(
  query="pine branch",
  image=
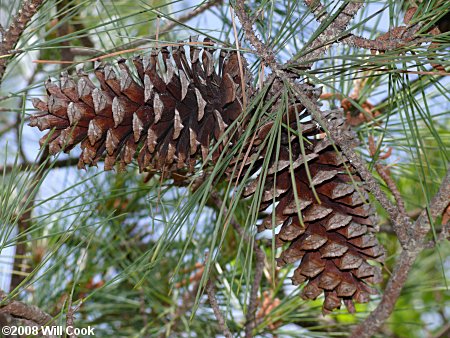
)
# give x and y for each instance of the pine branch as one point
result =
(259, 268)
(401, 223)
(384, 174)
(253, 301)
(317, 8)
(12, 35)
(329, 35)
(211, 292)
(405, 262)
(411, 236)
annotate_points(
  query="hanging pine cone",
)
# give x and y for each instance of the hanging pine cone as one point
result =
(169, 113)
(332, 236)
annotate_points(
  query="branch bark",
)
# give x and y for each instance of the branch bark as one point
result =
(12, 35)
(404, 263)
(259, 269)
(211, 292)
(69, 162)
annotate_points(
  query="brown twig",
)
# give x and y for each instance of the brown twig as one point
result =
(443, 332)
(404, 263)
(70, 317)
(253, 301)
(330, 34)
(12, 35)
(260, 257)
(384, 174)
(384, 45)
(211, 292)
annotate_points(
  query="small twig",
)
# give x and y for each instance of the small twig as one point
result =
(12, 35)
(70, 317)
(404, 263)
(266, 54)
(443, 332)
(384, 174)
(253, 301)
(259, 268)
(329, 35)
(210, 291)
(384, 45)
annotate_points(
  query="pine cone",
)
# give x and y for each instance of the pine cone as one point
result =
(334, 237)
(170, 113)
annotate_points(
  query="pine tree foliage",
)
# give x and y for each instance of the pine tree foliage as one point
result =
(231, 209)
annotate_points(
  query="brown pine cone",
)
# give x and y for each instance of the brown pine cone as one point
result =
(333, 235)
(170, 112)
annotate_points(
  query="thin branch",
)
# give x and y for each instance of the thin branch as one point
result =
(12, 35)
(70, 316)
(443, 332)
(259, 268)
(253, 302)
(384, 174)
(404, 263)
(330, 34)
(384, 45)
(215, 306)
